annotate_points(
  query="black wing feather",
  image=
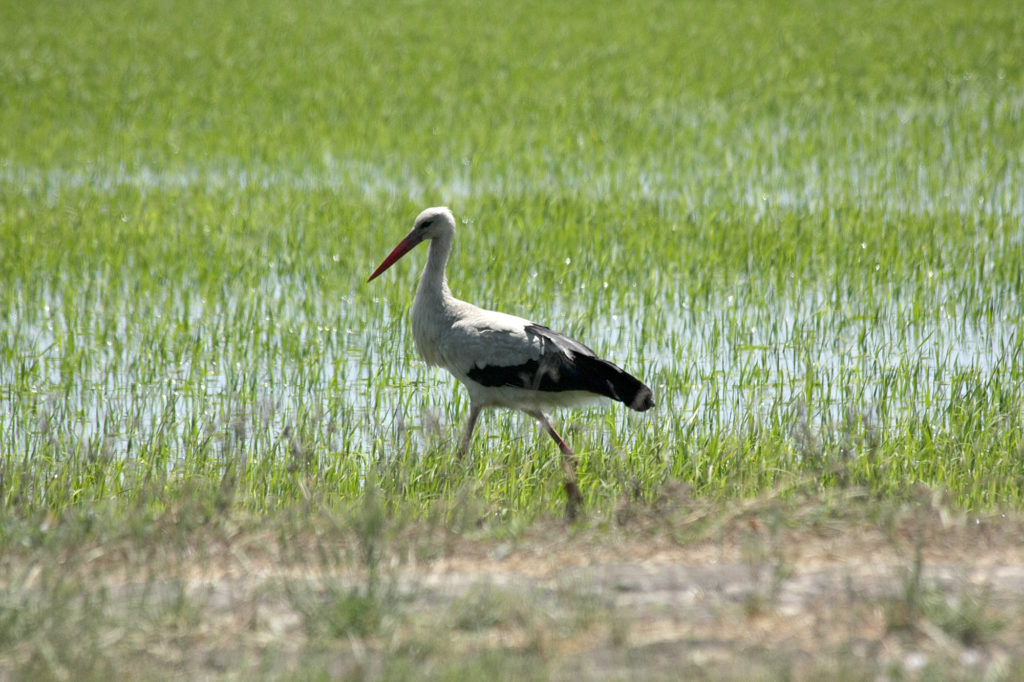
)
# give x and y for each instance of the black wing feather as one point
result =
(566, 365)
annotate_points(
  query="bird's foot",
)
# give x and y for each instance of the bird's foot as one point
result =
(573, 501)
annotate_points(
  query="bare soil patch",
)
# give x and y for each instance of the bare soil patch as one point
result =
(760, 590)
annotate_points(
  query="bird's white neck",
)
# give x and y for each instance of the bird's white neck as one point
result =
(434, 309)
(433, 285)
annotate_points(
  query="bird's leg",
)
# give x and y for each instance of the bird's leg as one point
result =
(467, 435)
(574, 498)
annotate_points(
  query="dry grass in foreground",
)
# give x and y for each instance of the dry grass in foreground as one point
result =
(846, 587)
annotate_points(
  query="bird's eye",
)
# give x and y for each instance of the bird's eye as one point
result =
(425, 224)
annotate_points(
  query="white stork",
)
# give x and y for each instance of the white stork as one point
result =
(503, 360)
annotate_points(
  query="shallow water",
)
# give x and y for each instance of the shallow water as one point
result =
(349, 382)
(974, 190)
(113, 371)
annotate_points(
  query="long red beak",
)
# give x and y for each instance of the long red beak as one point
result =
(404, 247)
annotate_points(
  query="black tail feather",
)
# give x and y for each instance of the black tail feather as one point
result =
(610, 380)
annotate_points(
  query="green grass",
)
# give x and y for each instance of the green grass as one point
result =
(802, 224)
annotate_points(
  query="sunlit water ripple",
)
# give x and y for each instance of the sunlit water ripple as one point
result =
(732, 364)
(730, 367)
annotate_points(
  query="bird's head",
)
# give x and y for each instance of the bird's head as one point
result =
(430, 224)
